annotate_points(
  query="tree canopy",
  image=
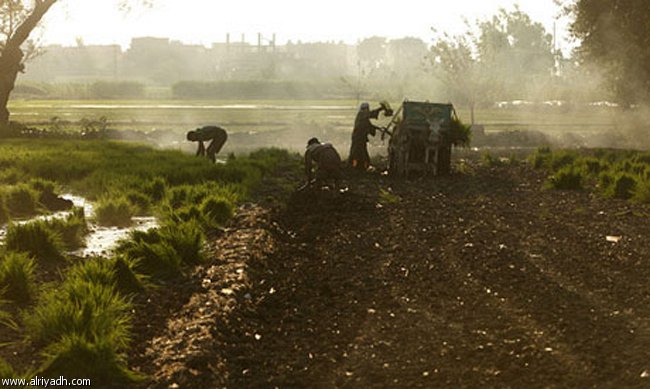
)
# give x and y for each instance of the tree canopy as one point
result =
(616, 35)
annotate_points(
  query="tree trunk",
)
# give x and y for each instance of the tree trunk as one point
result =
(11, 57)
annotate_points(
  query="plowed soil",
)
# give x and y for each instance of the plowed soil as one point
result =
(478, 279)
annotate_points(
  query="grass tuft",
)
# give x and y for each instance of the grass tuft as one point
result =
(17, 277)
(36, 239)
(116, 211)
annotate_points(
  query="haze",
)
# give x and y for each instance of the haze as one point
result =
(204, 22)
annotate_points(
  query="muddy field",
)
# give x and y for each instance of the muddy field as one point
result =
(479, 279)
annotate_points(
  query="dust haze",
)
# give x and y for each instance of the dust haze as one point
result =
(506, 75)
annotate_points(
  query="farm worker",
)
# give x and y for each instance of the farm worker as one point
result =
(216, 135)
(359, 158)
(327, 160)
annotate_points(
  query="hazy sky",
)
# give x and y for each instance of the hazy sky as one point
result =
(207, 21)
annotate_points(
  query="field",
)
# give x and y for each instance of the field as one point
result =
(526, 266)
(66, 315)
(288, 123)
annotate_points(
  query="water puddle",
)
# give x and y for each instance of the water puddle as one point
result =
(100, 240)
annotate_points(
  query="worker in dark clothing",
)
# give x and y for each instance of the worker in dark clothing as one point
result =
(217, 137)
(359, 158)
(327, 160)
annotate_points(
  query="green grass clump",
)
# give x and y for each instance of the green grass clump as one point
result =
(36, 239)
(541, 157)
(127, 280)
(17, 277)
(623, 186)
(4, 213)
(21, 201)
(156, 189)
(140, 201)
(75, 355)
(73, 229)
(642, 192)
(95, 311)
(187, 240)
(567, 178)
(115, 211)
(162, 253)
(217, 210)
(153, 256)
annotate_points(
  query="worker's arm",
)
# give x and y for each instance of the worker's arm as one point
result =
(374, 114)
(201, 149)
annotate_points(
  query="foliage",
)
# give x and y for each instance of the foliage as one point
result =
(17, 277)
(21, 200)
(98, 361)
(217, 210)
(114, 211)
(35, 238)
(566, 178)
(459, 134)
(72, 229)
(614, 35)
(93, 311)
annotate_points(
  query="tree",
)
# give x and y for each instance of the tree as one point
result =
(508, 52)
(616, 35)
(19, 19)
(18, 22)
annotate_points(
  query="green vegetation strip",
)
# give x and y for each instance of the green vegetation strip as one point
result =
(81, 320)
(614, 173)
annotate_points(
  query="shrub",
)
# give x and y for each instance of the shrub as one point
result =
(217, 210)
(36, 239)
(642, 191)
(140, 201)
(17, 277)
(21, 201)
(567, 178)
(114, 212)
(100, 361)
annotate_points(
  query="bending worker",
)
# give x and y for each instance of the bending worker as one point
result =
(217, 137)
(328, 163)
(359, 157)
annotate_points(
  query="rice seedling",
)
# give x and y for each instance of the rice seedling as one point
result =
(17, 277)
(114, 212)
(36, 239)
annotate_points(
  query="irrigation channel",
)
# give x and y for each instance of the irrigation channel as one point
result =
(100, 240)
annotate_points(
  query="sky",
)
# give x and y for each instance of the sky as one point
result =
(208, 21)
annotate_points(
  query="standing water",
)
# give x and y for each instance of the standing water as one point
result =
(100, 240)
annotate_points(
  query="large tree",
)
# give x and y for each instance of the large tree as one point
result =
(616, 35)
(496, 58)
(18, 22)
(19, 19)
